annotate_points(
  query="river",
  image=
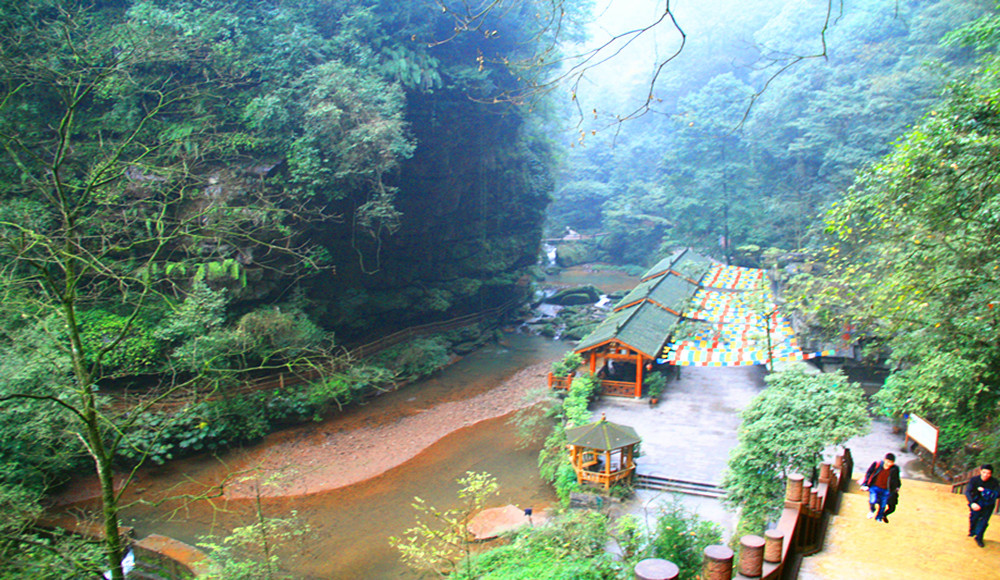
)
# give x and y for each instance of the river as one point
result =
(348, 527)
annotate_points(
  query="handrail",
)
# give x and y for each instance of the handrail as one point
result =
(962, 480)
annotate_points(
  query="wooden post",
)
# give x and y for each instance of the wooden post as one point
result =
(638, 375)
(751, 556)
(593, 362)
(825, 472)
(793, 489)
(656, 569)
(718, 563)
(774, 541)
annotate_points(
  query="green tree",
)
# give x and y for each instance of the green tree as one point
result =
(98, 200)
(784, 430)
(913, 248)
(440, 542)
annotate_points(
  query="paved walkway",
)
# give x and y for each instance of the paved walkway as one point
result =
(926, 538)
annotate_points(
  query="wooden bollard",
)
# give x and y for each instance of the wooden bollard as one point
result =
(806, 490)
(825, 472)
(656, 569)
(814, 500)
(793, 490)
(774, 541)
(718, 563)
(838, 462)
(751, 556)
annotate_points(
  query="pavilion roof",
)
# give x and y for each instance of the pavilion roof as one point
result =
(685, 263)
(602, 435)
(643, 327)
(668, 291)
(644, 320)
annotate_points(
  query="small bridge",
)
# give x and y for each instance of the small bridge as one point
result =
(573, 238)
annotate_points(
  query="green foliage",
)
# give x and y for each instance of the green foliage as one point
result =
(553, 461)
(569, 363)
(785, 430)
(249, 552)
(681, 537)
(440, 541)
(570, 547)
(751, 155)
(416, 358)
(30, 552)
(223, 422)
(575, 406)
(125, 347)
(912, 259)
(654, 383)
(203, 310)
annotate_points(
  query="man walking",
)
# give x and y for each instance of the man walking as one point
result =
(880, 480)
(981, 491)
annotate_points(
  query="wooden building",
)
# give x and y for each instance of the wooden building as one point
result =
(628, 342)
(602, 453)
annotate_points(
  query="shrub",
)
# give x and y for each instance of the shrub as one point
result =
(568, 364)
(654, 384)
(681, 537)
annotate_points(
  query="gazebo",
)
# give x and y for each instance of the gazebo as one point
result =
(602, 452)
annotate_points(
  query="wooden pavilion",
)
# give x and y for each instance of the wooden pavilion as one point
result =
(602, 453)
(632, 337)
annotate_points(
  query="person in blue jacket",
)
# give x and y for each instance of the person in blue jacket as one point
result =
(881, 479)
(981, 491)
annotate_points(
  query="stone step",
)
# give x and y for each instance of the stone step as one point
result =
(668, 484)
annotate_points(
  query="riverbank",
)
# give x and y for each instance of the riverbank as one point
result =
(311, 459)
(359, 444)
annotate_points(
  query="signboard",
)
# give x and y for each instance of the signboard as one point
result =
(925, 434)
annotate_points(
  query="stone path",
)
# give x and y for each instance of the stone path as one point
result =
(926, 538)
(688, 435)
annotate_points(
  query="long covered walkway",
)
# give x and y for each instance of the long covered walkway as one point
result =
(925, 538)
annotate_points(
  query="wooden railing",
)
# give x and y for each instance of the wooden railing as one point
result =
(610, 388)
(603, 479)
(800, 531)
(287, 379)
(618, 388)
(560, 382)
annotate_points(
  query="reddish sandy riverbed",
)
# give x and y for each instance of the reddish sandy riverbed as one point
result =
(315, 458)
(342, 451)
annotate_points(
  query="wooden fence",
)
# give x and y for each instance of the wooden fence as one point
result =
(609, 388)
(306, 374)
(777, 555)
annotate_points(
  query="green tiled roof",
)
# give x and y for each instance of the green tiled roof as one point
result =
(685, 262)
(640, 320)
(644, 326)
(602, 435)
(668, 290)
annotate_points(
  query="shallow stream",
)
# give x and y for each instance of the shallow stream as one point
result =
(349, 527)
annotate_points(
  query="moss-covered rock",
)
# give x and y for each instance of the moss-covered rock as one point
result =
(575, 296)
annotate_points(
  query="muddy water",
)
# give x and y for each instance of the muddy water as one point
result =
(350, 526)
(607, 280)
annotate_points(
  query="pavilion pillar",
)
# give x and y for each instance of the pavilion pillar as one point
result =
(593, 361)
(638, 375)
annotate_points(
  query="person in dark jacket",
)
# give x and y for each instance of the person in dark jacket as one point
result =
(981, 491)
(890, 505)
(881, 479)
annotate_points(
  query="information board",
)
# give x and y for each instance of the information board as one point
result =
(925, 434)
